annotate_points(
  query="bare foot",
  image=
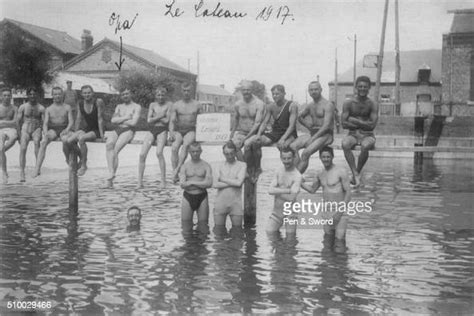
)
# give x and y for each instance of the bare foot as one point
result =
(22, 176)
(81, 171)
(140, 186)
(355, 181)
(5, 178)
(110, 184)
(35, 174)
(111, 178)
(175, 176)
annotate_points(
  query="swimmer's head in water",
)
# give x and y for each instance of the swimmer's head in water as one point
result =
(134, 215)
(195, 150)
(326, 155)
(287, 156)
(229, 151)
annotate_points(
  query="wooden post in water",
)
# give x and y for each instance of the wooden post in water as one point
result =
(250, 194)
(73, 183)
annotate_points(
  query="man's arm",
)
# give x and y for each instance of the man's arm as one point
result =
(153, 116)
(328, 121)
(182, 177)
(267, 116)
(173, 116)
(70, 118)
(116, 118)
(216, 183)
(368, 125)
(236, 182)
(302, 115)
(100, 116)
(78, 119)
(45, 122)
(19, 117)
(275, 190)
(259, 116)
(10, 123)
(313, 187)
(236, 115)
(294, 190)
(345, 185)
(346, 124)
(135, 116)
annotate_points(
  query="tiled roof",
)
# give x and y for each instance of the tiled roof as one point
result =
(214, 90)
(60, 40)
(410, 62)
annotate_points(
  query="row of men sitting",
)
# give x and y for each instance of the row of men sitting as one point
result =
(251, 117)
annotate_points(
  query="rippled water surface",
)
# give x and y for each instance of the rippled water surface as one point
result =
(413, 254)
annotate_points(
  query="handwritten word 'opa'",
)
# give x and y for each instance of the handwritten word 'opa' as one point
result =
(121, 25)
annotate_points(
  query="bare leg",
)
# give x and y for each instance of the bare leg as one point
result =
(49, 137)
(3, 158)
(110, 152)
(367, 144)
(160, 146)
(187, 140)
(83, 150)
(122, 140)
(23, 147)
(174, 155)
(203, 212)
(347, 143)
(299, 143)
(142, 159)
(311, 149)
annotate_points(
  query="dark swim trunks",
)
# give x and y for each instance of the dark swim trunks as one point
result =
(96, 132)
(195, 200)
(157, 130)
(57, 129)
(119, 130)
(275, 135)
(184, 131)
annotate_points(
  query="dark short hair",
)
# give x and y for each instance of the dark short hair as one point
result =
(186, 84)
(161, 88)
(87, 86)
(134, 207)
(278, 87)
(326, 149)
(288, 150)
(230, 144)
(195, 144)
(6, 89)
(57, 88)
(31, 89)
(363, 79)
(125, 89)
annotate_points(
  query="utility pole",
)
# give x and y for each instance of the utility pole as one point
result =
(397, 63)
(380, 56)
(355, 60)
(335, 79)
(189, 64)
(197, 79)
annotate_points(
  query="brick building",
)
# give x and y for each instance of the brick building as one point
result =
(215, 98)
(420, 83)
(458, 64)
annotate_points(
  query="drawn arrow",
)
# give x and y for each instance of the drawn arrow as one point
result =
(121, 60)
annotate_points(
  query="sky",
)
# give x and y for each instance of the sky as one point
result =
(292, 52)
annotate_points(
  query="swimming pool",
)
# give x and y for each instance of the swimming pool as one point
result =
(412, 254)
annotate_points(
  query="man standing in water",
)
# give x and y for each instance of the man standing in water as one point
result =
(30, 118)
(228, 181)
(90, 111)
(285, 187)
(248, 115)
(321, 112)
(195, 177)
(126, 118)
(8, 132)
(182, 128)
(58, 123)
(359, 116)
(335, 184)
(158, 119)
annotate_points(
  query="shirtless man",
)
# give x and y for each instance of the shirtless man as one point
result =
(359, 116)
(285, 187)
(335, 184)
(195, 177)
(228, 181)
(158, 119)
(58, 123)
(8, 129)
(182, 128)
(125, 118)
(248, 115)
(321, 112)
(30, 118)
(89, 111)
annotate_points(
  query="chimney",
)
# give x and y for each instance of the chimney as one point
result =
(222, 86)
(87, 40)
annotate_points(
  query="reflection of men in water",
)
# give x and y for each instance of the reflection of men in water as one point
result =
(228, 180)
(359, 116)
(248, 115)
(58, 123)
(195, 177)
(8, 131)
(321, 112)
(134, 215)
(285, 187)
(335, 184)
(126, 117)
(182, 127)
(90, 112)
(30, 118)
(158, 118)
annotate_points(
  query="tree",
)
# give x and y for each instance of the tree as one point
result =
(258, 89)
(143, 84)
(23, 64)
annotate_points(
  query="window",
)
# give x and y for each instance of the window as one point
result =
(385, 98)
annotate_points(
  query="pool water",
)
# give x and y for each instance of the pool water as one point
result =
(412, 254)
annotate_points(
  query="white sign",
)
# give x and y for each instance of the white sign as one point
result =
(213, 127)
